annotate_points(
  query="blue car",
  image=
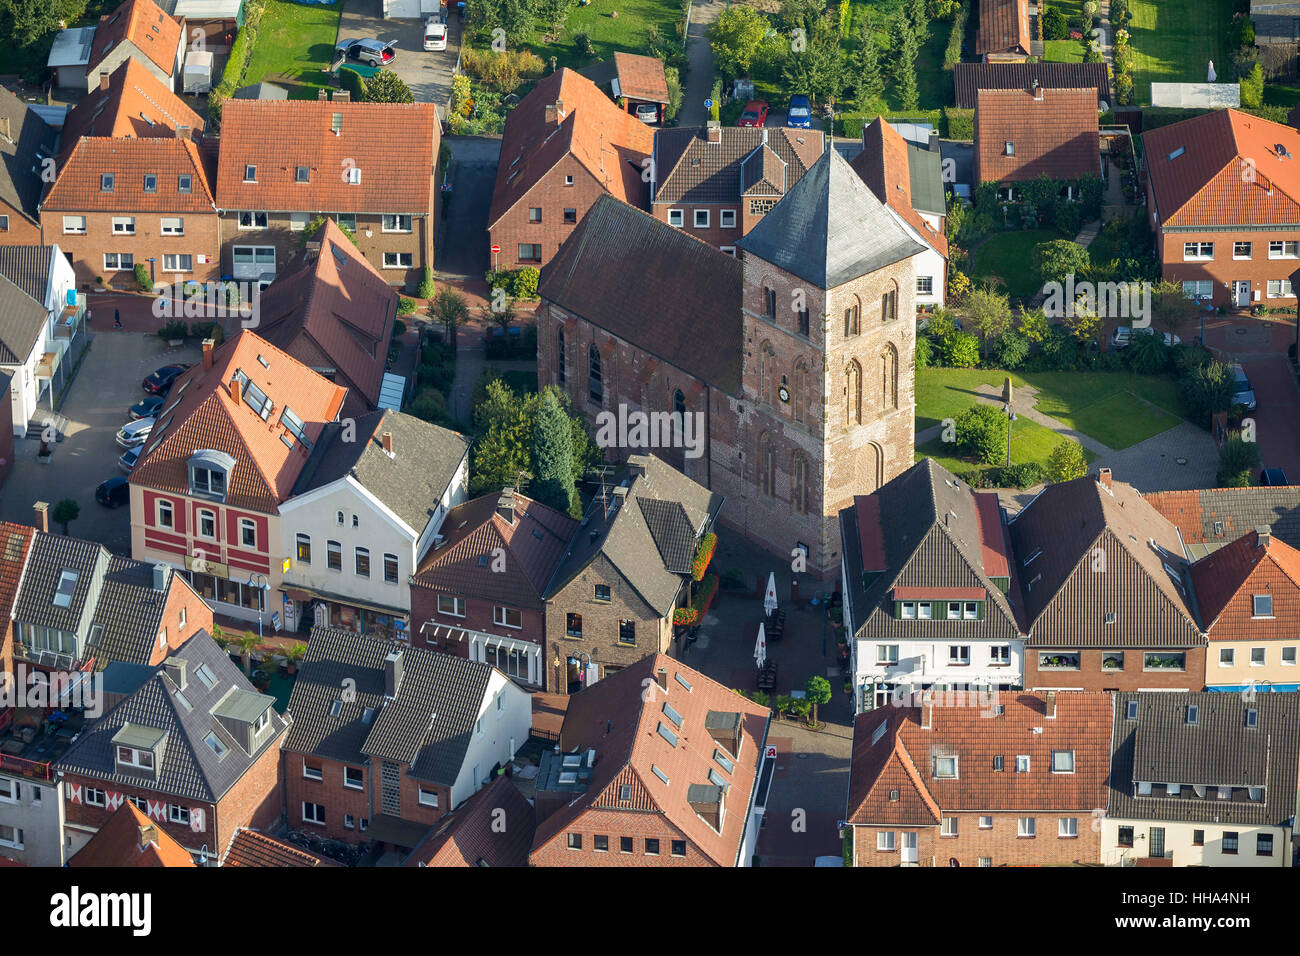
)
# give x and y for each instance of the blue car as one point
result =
(800, 113)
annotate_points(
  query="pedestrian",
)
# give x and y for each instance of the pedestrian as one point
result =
(117, 319)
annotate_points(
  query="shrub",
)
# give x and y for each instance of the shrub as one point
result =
(583, 43)
(1237, 456)
(961, 122)
(961, 350)
(1252, 88)
(399, 328)
(1205, 391)
(351, 81)
(924, 352)
(1069, 218)
(981, 432)
(1023, 475)
(1066, 461)
(1056, 26)
(142, 277)
(1009, 350)
(406, 306)
(173, 329)
(525, 284)
(1147, 353)
(429, 404)
(959, 285)
(425, 289)
(1241, 479)
(1056, 259)
(1186, 357)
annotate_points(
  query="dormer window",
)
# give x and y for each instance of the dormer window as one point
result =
(184, 183)
(150, 183)
(262, 722)
(209, 473)
(106, 182)
(131, 757)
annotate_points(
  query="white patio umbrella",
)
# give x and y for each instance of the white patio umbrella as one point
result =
(760, 646)
(769, 598)
(1211, 76)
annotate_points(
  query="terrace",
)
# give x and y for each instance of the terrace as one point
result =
(33, 738)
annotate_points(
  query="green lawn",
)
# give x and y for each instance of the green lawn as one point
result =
(1008, 255)
(625, 34)
(1276, 94)
(947, 392)
(1174, 40)
(295, 40)
(1030, 441)
(1062, 51)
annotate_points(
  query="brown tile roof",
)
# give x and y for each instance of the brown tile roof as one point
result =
(883, 165)
(1196, 169)
(902, 758)
(641, 77)
(969, 78)
(1073, 528)
(619, 717)
(118, 843)
(1227, 579)
(79, 185)
(135, 104)
(27, 144)
(394, 145)
(201, 414)
(250, 848)
(1056, 135)
(494, 827)
(609, 143)
(1004, 27)
(1212, 517)
(15, 542)
(690, 169)
(534, 546)
(334, 311)
(143, 23)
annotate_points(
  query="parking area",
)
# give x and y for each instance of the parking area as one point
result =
(107, 384)
(428, 74)
(462, 247)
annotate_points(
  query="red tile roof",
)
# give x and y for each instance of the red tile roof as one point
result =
(1227, 579)
(641, 77)
(202, 414)
(994, 544)
(130, 838)
(609, 143)
(1223, 168)
(135, 104)
(250, 848)
(143, 23)
(883, 165)
(15, 542)
(494, 827)
(394, 145)
(871, 535)
(901, 758)
(80, 186)
(1056, 135)
(1004, 27)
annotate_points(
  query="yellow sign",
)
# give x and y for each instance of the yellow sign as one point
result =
(284, 566)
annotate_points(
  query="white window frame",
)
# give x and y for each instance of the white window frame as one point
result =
(1026, 827)
(679, 215)
(428, 798)
(397, 264)
(398, 219)
(298, 221)
(120, 261)
(948, 827)
(312, 773)
(457, 603)
(1279, 289)
(73, 230)
(178, 814)
(698, 215)
(360, 784)
(1292, 650)
(1199, 288)
(1022, 763)
(925, 285)
(1197, 251)
(887, 654)
(1227, 656)
(1283, 245)
(208, 513)
(501, 616)
(885, 841)
(1250, 250)
(247, 524)
(312, 819)
(986, 822)
(253, 215)
(1263, 657)
(166, 514)
(124, 225)
(1067, 827)
(180, 262)
(171, 226)
(724, 215)
(1070, 754)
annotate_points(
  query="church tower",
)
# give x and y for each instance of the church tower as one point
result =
(826, 407)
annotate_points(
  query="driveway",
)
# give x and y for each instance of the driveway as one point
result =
(1276, 413)
(107, 384)
(428, 74)
(462, 248)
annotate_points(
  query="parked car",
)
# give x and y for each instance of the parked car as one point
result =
(1273, 476)
(1242, 393)
(160, 381)
(145, 408)
(435, 33)
(128, 459)
(113, 492)
(133, 434)
(1123, 335)
(374, 52)
(647, 113)
(800, 113)
(754, 113)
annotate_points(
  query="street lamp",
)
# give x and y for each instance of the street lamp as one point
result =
(261, 605)
(1011, 417)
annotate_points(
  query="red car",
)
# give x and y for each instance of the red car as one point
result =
(754, 114)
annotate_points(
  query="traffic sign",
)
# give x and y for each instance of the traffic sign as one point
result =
(708, 104)
(770, 753)
(495, 249)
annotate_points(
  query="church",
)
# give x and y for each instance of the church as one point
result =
(797, 357)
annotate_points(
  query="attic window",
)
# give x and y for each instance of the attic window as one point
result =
(672, 715)
(677, 676)
(184, 183)
(1193, 713)
(145, 116)
(724, 761)
(1252, 717)
(1262, 605)
(367, 714)
(354, 175)
(336, 707)
(625, 791)
(105, 182)
(879, 732)
(261, 360)
(894, 795)
(67, 585)
(1218, 528)
(1176, 153)
(183, 701)
(1010, 148)
(336, 123)
(204, 674)
(667, 734)
(216, 745)
(1131, 710)
(302, 174)
(1109, 617)
(1033, 554)
(657, 772)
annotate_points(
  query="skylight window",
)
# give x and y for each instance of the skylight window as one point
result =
(677, 676)
(1131, 710)
(294, 426)
(67, 585)
(217, 746)
(336, 707)
(657, 772)
(254, 397)
(205, 675)
(183, 701)
(667, 734)
(367, 715)
(725, 762)
(1176, 153)
(672, 715)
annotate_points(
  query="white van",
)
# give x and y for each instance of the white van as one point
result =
(435, 34)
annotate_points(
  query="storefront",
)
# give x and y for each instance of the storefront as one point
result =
(235, 598)
(305, 608)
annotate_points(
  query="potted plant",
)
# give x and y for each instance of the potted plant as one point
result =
(782, 704)
(293, 656)
(848, 687)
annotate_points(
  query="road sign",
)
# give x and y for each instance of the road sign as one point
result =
(495, 249)
(708, 104)
(770, 753)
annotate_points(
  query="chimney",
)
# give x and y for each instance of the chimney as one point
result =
(182, 132)
(322, 95)
(208, 346)
(235, 390)
(41, 516)
(1264, 534)
(148, 835)
(341, 96)
(1049, 710)
(392, 674)
(387, 439)
(161, 576)
(1037, 91)
(555, 113)
(636, 466)
(661, 675)
(927, 711)
(933, 144)
(176, 668)
(103, 81)
(1104, 476)
(714, 131)
(506, 506)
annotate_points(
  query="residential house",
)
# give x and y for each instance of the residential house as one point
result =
(1223, 195)
(70, 56)
(26, 143)
(41, 327)
(15, 544)
(1023, 134)
(125, 202)
(718, 182)
(970, 78)
(930, 599)
(6, 429)
(564, 145)
(1018, 782)
(372, 167)
(1211, 518)
(224, 454)
(478, 593)
(1108, 599)
(219, 21)
(1201, 779)
(31, 795)
(334, 312)
(632, 80)
(657, 766)
(495, 827)
(1004, 33)
(138, 30)
(195, 748)
(251, 848)
(365, 509)
(611, 600)
(389, 738)
(130, 103)
(909, 181)
(130, 838)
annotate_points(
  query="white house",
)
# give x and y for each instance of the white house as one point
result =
(366, 507)
(505, 719)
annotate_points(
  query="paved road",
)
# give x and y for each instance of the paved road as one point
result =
(1277, 413)
(462, 247)
(699, 63)
(427, 73)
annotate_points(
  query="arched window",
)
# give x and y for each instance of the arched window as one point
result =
(889, 303)
(766, 465)
(766, 372)
(595, 388)
(559, 356)
(852, 319)
(797, 396)
(769, 302)
(889, 377)
(853, 394)
(799, 484)
(679, 417)
(869, 470)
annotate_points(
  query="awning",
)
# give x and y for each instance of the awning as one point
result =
(1257, 688)
(434, 631)
(398, 832)
(300, 593)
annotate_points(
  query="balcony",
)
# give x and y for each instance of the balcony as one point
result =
(31, 741)
(71, 319)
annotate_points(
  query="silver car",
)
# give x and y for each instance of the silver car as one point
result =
(133, 434)
(1242, 392)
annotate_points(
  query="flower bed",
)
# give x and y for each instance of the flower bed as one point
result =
(703, 555)
(688, 616)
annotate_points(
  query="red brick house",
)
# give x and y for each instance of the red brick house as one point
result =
(138, 30)
(26, 150)
(1004, 30)
(1026, 133)
(657, 766)
(130, 838)
(1224, 199)
(130, 103)
(479, 593)
(948, 783)
(565, 144)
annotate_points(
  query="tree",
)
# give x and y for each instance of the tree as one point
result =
(1066, 461)
(989, 313)
(736, 38)
(867, 81)
(1252, 88)
(901, 52)
(1056, 26)
(817, 691)
(316, 225)
(961, 350)
(819, 69)
(1034, 325)
(553, 12)
(553, 481)
(981, 433)
(450, 310)
(1147, 353)
(914, 11)
(517, 19)
(387, 87)
(66, 512)
(1237, 457)
(503, 446)
(1205, 391)
(1059, 258)
(1171, 308)
(23, 22)
(247, 644)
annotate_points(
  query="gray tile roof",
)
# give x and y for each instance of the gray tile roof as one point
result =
(411, 483)
(690, 169)
(28, 143)
(672, 531)
(427, 726)
(50, 555)
(829, 228)
(130, 610)
(925, 176)
(21, 320)
(1212, 517)
(28, 267)
(189, 767)
(1218, 750)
